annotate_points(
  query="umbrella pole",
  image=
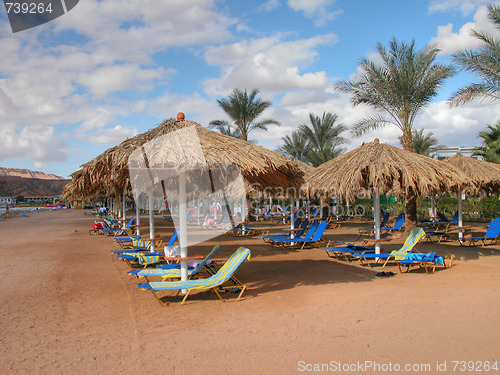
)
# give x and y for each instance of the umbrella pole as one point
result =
(151, 220)
(291, 218)
(460, 232)
(124, 212)
(376, 216)
(137, 220)
(183, 226)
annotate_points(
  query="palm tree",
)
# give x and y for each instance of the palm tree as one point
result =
(294, 146)
(401, 85)
(224, 128)
(243, 109)
(484, 62)
(490, 151)
(323, 138)
(422, 144)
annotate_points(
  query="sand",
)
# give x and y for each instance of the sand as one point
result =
(69, 307)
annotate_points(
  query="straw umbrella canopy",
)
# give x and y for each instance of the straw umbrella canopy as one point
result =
(485, 175)
(257, 164)
(378, 168)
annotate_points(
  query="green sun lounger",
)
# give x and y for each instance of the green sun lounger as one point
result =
(413, 238)
(170, 271)
(211, 283)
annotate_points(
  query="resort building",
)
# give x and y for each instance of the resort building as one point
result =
(447, 152)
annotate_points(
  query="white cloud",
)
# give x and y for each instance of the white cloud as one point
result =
(35, 142)
(269, 5)
(112, 136)
(319, 10)
(267, 63)
(108, 79)
(450, 42)
(466, 7)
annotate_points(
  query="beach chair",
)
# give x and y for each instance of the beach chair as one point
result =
(118, 231)
(428, 262)
(345, 252)
(172, 271)
(309, 234)
(413, 238)
(211, 283)
(245, 231)
(368, 230)
(492, 234)
(300, 230)
(316, 239)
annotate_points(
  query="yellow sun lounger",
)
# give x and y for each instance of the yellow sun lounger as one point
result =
(212, 282)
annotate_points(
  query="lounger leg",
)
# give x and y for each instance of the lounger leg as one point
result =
(218, 294)
(185, 296)
(158, 298)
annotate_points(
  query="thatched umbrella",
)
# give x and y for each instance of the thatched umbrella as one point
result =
(110, 170)
(376, 168)
(485, 175)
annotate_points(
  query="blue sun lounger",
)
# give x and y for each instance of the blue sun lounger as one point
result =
(315, 239)
(492, 234)
(168, 271)
(143, 244)
(413, 238)
(345, 252)
(118, 231)
(310, 232)
(300, 230)
(213, 282)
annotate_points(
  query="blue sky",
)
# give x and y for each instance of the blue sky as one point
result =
(108, 70)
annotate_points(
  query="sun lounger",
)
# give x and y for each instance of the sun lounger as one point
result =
(428, 262)
(310, 232)
(300, 230)
(492, 234)
(211, 283)
(316, 239)
(413, 238)
(368, 230)
(118, 231)
(170, 271)
(345, 252)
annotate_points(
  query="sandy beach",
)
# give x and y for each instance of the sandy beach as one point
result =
(69, 307)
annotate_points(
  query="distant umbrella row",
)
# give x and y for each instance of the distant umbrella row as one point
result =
(374, 165)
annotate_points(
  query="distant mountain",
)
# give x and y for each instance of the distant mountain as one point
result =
(14, 182)
(26, 173)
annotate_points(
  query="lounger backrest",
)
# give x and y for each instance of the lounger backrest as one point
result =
(442, 217)
(205, 260)
(415, 235)
(399, 221)
(297, 222)
(232, 264)
(190, 214)
(385, 219)
(455, 218)
(493, 229)
(312, 229)
(173, 238)
(319, 232)
(131, 221)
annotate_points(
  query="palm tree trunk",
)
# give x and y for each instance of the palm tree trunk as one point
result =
(411, 197)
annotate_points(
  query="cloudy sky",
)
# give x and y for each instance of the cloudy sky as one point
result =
(107, 70)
